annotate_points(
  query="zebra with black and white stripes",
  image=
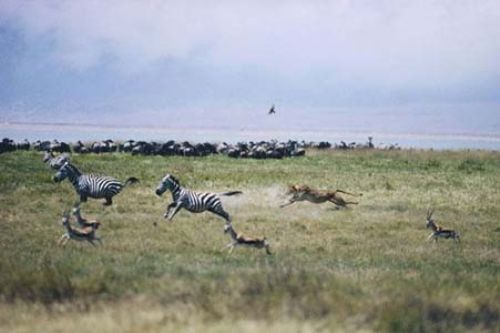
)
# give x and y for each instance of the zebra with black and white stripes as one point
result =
(195, 202)
(93, 186)
(55, 162)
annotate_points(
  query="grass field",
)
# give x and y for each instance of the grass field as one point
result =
(366, 268)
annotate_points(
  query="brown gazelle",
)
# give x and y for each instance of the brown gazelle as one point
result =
(438, 231)
(241, 240)
(84, 234)
(83, 222)
(306, 193)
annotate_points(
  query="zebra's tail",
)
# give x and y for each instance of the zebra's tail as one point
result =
(130, 181)
(230, 193)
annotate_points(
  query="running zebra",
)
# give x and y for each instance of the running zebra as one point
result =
(55, 162)
(91, 185)
(195, 202)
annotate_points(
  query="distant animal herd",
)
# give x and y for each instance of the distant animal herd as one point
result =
(258, 150)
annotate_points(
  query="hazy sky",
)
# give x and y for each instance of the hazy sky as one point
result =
(325, 64)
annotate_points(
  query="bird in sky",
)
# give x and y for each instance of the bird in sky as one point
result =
(271, 110)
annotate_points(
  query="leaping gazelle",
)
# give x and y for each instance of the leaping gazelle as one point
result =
(241, 240)
(438, 231)
(84, 234)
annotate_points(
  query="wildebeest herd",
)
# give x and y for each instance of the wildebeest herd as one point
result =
(259, 150)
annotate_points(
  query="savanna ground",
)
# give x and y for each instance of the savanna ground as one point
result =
(367, 268)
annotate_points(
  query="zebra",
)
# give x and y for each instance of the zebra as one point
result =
(195, 202)
(55, 162)
(93, 186)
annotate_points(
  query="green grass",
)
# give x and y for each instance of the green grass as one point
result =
(367, 268)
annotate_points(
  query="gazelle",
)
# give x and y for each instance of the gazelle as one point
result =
(84, 223)
(241, 240)
(85, 234)
(438, 231)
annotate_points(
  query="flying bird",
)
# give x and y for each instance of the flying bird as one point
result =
(271, 110)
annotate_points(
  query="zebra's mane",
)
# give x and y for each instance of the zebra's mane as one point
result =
(73, 168)
(175, 180)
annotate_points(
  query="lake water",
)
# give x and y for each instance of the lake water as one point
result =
(73, 133)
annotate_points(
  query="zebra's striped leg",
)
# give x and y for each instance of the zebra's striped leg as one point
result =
(222, 213)
(169, 207)
(174, 211)
(109, 201)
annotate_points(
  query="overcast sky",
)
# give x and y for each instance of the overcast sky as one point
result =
(325, 64)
